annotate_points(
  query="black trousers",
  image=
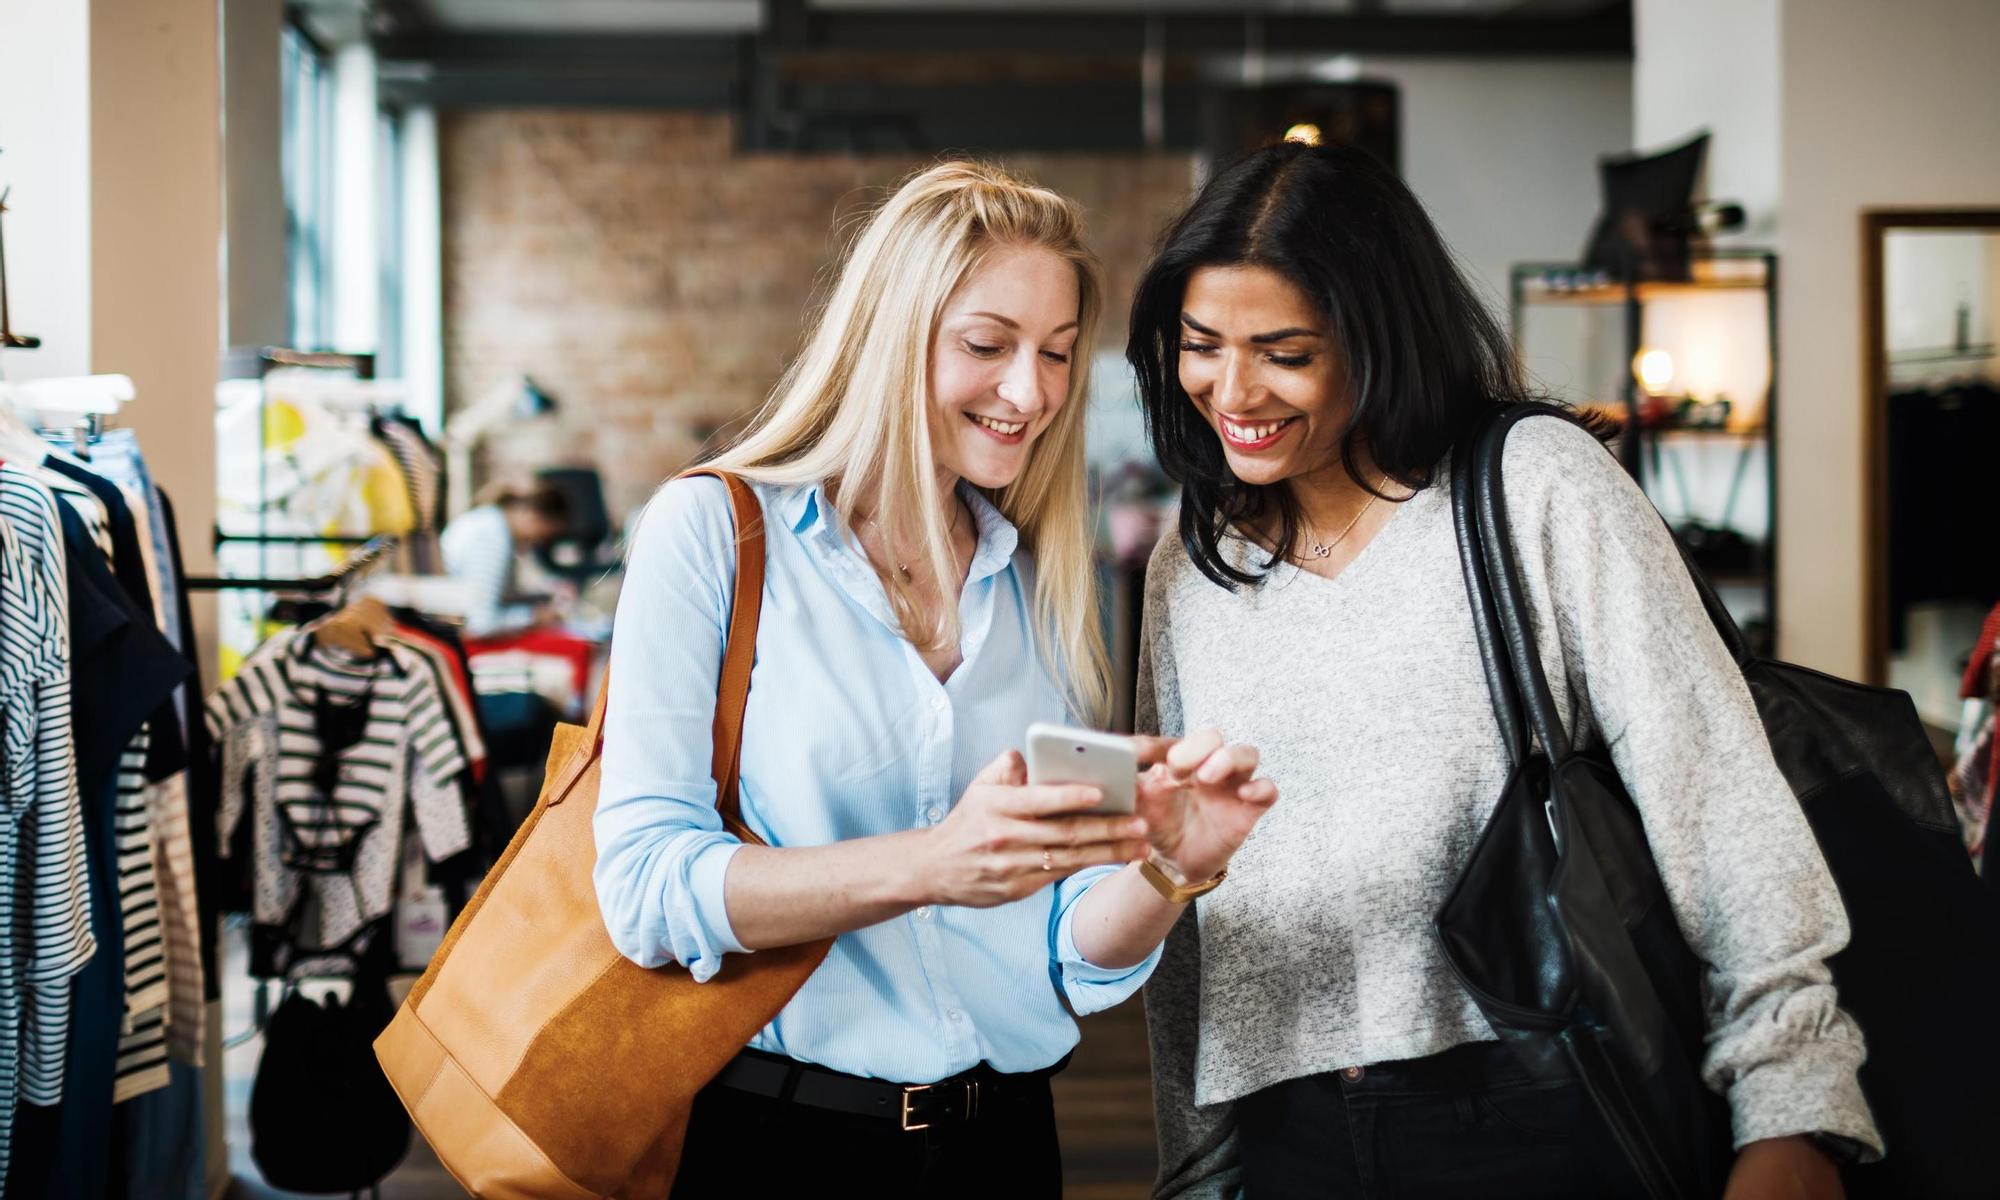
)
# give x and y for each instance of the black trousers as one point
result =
(742, 1145)
(1467, 1122)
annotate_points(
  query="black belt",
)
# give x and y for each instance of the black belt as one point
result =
(954, 1101)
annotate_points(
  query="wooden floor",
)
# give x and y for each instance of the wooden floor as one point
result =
(1103, 1104)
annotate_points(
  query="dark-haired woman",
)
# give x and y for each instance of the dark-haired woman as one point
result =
(1308, 354)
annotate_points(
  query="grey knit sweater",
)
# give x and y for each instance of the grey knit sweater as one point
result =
(1365, 695)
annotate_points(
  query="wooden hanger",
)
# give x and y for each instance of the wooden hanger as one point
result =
(358, 629)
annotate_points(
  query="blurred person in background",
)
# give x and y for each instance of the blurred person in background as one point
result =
(482, 548)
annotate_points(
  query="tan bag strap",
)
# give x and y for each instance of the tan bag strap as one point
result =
(739, 654)
(739, 651)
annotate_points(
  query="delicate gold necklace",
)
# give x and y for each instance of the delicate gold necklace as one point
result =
(1321, 550)
(950, 530)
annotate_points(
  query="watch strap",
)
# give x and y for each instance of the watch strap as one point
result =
(1176, 893)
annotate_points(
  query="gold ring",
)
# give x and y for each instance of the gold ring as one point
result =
(1045, 862)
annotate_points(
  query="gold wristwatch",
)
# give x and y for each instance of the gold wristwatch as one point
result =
(1179, 893)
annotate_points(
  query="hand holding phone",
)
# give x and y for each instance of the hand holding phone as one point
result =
(1059, 754)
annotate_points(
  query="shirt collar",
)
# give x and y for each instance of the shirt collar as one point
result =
(809, 514)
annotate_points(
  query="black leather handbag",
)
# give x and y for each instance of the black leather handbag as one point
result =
(1560, 930)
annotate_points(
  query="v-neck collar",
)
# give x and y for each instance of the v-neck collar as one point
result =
(1245, 552)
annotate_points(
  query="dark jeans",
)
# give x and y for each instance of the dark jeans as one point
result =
(740, 1145)
(1467, 1122)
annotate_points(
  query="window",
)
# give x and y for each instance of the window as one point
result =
(389, 238)
(307, 99)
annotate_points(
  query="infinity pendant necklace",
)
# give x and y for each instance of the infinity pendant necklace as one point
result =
(1321, 549)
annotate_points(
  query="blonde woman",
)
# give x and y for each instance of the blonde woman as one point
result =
(928, 595)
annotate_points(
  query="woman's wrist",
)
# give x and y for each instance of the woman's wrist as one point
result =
(1185, 875)
(906, 880)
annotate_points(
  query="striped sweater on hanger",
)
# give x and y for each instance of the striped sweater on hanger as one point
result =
(45, 933)
(327, 826)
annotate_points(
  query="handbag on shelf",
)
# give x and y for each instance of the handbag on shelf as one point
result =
(1561, 931)
(537, 1060)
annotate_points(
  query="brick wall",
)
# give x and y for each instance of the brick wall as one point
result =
(653, 280)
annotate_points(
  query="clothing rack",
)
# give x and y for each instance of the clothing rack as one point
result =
(372, 550)
(300, 539)
(84, 401)
(1945, 354)
(258, 364)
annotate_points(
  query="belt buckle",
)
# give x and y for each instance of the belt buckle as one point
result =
(971, 1103)
(907, 1093)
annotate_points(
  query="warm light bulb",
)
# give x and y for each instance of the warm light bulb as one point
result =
(1655, 369)
(1304, 131)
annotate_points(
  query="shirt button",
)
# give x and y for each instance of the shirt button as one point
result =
(956, 1015)
(924, 913)
(1353, 1074)
(940, 704)
(932, 814)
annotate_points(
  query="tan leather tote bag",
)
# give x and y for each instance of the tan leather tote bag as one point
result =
(537, 1060)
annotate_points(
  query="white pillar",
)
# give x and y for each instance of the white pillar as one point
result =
(423, 270)
(357, 306)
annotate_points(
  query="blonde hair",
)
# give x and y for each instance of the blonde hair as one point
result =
(854, 408)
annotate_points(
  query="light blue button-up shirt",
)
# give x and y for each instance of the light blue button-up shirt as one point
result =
(847, 734)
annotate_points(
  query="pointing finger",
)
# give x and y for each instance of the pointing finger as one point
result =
(1192, 750)
(1153, 750)
(1229, 764)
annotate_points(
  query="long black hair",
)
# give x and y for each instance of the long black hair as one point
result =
(1425, 360)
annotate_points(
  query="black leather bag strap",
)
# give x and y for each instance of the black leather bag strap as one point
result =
(1485, 621)
(1503, 574)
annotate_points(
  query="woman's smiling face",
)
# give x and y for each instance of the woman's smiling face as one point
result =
(1260, 362)
(1000, 364)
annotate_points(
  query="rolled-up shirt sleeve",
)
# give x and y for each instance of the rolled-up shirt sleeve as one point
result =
(1088, 987)
(662, 853)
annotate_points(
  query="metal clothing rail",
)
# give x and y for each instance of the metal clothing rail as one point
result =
(299, 539)
(370, 552)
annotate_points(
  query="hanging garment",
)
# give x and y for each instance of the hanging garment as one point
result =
(327, 814)
(425, 461)
(1939, 465)
(455, 685)
(423, 481)
(116, 457)
(203, 780)
(121, 668)
(45, 934)
(550, 663)
(492, 825)
(1974, 774)
(167, 802)
(155, 756)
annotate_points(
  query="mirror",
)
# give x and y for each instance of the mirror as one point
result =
(1933, 349)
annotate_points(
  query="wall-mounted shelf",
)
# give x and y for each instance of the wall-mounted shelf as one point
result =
(1654, 454)
(1945, 354)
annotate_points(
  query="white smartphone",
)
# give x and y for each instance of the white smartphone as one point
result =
(1061, 754)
